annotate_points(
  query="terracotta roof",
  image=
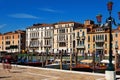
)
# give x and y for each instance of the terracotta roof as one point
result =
(40, 25)
(18, 31)
(65, 22)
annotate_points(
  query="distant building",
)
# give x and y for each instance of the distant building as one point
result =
(12, 41)
(80, 40)
(63, 36)
(73, 37)
(39, 38)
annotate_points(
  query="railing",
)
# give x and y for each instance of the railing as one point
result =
(80, 46)
(62, 40)
(47, 37)
(100, 40)
(99, 47)
(47, 45)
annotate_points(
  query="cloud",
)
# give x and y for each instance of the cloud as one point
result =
(2, 25)
(50, 10)
(23, 15)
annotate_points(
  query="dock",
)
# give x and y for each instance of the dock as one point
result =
(19, 72)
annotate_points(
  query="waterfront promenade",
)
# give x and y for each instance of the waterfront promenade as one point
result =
(34, 73)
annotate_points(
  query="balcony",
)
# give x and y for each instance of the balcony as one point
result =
(80, 46)
(77, 37)
(34, 46)
(82, 37)
(48, 45)
(100, 40)
(99, 47)
(62, 40)
(34, 38)
(47, 37)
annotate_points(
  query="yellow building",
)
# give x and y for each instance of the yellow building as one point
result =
(116, 40)
(98, 40)
(63, 36)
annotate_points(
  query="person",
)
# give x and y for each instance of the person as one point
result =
(6, 63)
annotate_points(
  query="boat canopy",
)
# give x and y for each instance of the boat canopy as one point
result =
(86, 61)
(107, 61)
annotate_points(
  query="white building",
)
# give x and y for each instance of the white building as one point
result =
(39, 37)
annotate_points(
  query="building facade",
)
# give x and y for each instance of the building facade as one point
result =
(39, 38)
(12, 41)
(63, 36)
(71, 37)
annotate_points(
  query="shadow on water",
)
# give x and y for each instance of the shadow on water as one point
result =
(1, 77)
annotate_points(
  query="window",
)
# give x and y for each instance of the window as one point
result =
(73, 35)
(62, 44)
(93, 45)
(83, 34)
(7, 42)
(88, 46)
(116, 34)
(41, 34)
(105, 37)
(77, 33)
(105, 45)
(61, 30)
(13, 36)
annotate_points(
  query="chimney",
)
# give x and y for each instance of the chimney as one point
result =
(88, 22)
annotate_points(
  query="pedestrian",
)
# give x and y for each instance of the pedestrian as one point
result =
(6, 63)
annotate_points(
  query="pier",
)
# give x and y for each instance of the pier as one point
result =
(34, 73)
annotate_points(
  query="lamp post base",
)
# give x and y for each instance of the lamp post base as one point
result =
(110, 75)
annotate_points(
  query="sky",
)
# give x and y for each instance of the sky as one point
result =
(20, 14)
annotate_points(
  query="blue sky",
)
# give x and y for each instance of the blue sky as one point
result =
(19, 14)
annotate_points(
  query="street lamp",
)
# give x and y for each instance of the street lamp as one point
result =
(99, 18)
(116, 57)
(110, 72)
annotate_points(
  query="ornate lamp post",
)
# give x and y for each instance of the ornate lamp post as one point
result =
(110, 72)
(99, 18)
(116, 57)
(119, 15)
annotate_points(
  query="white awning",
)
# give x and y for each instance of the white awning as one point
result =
(107, 61)
(86, 61)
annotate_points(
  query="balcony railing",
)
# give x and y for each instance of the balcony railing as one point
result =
(47, 37)
(62, 40)
(100, 40)
(99, 47)
(80, 46)
(34, 46)
(48, 45)
(34, 38)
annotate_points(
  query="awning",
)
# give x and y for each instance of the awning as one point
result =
(86, 61)
(107, 61)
